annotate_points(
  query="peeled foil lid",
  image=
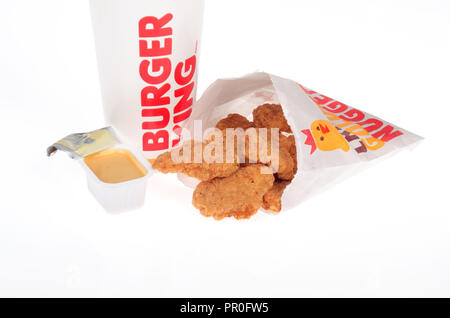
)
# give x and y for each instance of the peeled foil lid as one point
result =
(80, 145)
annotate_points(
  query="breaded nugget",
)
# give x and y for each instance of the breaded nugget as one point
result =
(271, 116)
(285, 165)
(234, 121)
(272, 198)
(239, 195)
(293, 152)
(285, 169)
(288, 142)
(203, 170)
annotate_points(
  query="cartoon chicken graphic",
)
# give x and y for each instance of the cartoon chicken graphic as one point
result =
(325, 136)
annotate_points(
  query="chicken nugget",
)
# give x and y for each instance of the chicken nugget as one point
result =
(195, 164)
(288, 143)
(286, 167)
(239, 195)
(259, 149)
(272, 198)
(234, 121)
(271, 116)
(293, 152)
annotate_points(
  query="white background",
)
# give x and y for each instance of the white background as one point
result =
(384, 232)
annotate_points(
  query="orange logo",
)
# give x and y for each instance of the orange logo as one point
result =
(325, 136)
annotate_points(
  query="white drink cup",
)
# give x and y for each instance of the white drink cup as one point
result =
(147, 52)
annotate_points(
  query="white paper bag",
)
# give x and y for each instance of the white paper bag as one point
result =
(333, 140)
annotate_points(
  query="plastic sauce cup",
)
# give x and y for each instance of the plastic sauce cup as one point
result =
(110, 186)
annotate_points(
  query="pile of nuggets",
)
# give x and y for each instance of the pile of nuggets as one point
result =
(240, 188)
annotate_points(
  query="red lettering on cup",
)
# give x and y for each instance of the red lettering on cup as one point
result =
(155, 141)
(185, 101)
(152, 27)
(155, 112)
(155, 70)
(189, 66)
(158, 95)
(162, 66)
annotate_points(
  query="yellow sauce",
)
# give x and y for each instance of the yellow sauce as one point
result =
(115, 165)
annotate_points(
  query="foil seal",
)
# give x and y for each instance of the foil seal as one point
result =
(80, 145)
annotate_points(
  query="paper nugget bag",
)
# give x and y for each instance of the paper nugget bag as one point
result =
(333, 139)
